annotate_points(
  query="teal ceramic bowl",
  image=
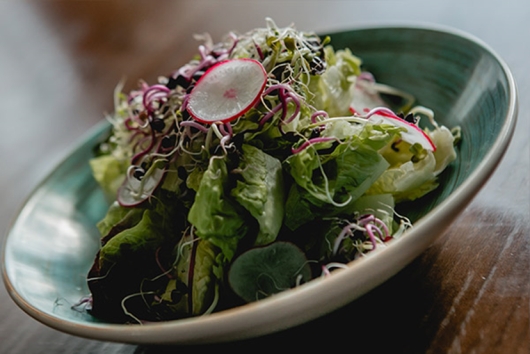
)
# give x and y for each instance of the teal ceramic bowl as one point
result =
(51, 244)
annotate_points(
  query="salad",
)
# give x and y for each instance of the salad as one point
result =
(269, 159)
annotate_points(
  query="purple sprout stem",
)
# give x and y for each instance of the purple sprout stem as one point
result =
(285, 95)
(127, 123)
(283, 101)
(311, 142)
(371, 234)
(193, 124)
(270, 114)
(296, 102)
(317, 114)
(385, 232)
(153, 93)
(381, 227)
(276, 87)
(134, 119)
(366, 219)
(226, 129)
(82, 301)
(132, 95)
(260, 52)
(188, 71)
(184, 104)
(365, 224)
(146, 150)
(234, 44)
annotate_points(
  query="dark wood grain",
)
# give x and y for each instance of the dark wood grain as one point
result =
(59, 62)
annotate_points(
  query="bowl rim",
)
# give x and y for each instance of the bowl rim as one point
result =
(241, 322)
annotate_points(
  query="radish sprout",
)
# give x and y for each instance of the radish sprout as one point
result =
(374, 228)
(327, 267)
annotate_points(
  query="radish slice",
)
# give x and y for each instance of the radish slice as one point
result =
(227, 90)
(413, 133)
(133, 191)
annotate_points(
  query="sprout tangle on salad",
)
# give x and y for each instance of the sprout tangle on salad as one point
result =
(267, 160)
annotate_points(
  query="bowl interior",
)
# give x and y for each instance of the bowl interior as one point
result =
(51, 244)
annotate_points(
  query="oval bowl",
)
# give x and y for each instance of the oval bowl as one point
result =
(51, 244)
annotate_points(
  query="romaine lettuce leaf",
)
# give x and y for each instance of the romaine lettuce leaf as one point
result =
(261, 191)
(215, 216)
(299, 210)
(109, 172)
(445, 152)
(407, 181)
(205, 277)
(342, 176)
(118, 218)
(356, 169)
(193, 288)
(144, 237)
(129, 264)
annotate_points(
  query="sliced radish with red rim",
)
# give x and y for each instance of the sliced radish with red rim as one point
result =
(135, 190)
(413, 133)
(227, 90)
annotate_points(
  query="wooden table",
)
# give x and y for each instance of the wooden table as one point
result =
(60, 61)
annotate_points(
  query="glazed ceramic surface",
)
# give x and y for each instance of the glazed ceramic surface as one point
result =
(52, 243)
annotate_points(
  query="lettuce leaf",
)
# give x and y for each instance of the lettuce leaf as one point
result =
(117, 219)
(128, 263)
(334, 89)
(407, 181)
(356, 169)
(109, 172)
(215, 216)
(194, 287)
(206, 277)
(445, 152)
(261, 191)
(344, 176)
(142, 238)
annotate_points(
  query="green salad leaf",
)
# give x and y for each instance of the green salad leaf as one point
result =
(260, 190)
(109, 172)
(407, 181)
(333, 90)
(214, 214)
(144, 237)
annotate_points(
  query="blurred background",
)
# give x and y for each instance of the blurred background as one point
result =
(60, 62)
